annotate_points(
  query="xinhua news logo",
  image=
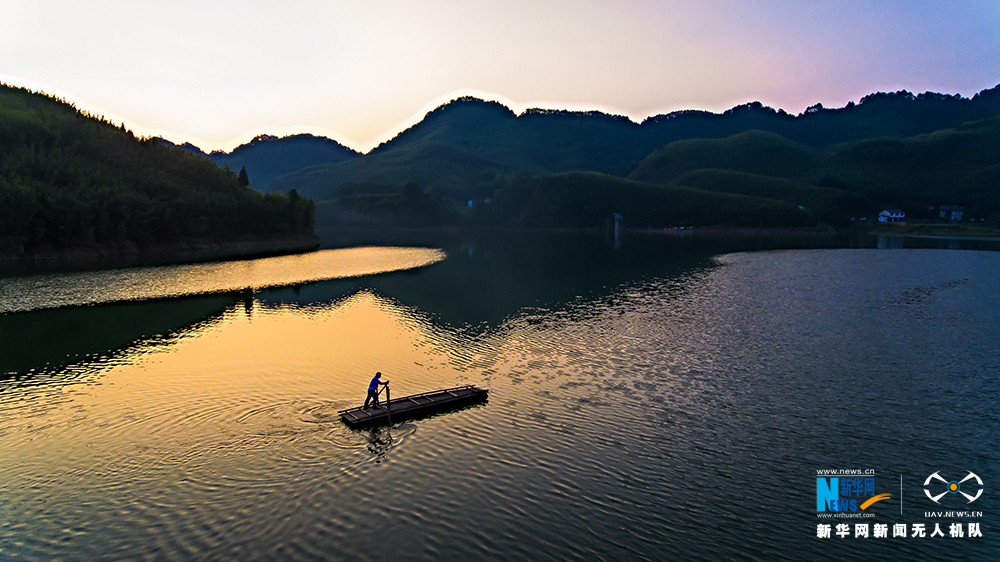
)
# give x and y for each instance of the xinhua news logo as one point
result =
(846, 494)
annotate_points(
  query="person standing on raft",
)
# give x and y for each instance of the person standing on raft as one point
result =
(373, 390)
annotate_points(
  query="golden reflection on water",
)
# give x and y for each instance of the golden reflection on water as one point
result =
(327, 353)
(191, 415)
(141, 283)
(253, 359)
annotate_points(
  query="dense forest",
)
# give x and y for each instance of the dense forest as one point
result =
(69, 179)
(478, 163)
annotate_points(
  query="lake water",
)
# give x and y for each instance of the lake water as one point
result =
(667, 398)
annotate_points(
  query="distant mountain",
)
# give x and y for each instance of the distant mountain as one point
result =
(466, 148)
(834, 163)
(186, 146)
(267, 157)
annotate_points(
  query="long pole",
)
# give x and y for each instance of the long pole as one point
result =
(388, 405)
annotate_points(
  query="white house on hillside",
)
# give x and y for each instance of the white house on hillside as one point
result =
(891, 215)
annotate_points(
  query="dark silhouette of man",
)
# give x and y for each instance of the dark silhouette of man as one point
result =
(373, 390)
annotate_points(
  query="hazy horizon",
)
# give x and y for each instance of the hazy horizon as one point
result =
(218, 75)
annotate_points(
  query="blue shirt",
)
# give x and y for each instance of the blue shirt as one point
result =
(373, 386)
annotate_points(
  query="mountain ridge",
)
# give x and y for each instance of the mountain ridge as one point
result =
(476, 162)
(470, 149)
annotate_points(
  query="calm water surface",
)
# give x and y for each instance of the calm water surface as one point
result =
(659, 401)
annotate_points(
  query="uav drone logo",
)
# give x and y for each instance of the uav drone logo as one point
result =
(953, 487)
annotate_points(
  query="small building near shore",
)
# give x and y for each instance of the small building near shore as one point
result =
(951, 213)
(891, 215)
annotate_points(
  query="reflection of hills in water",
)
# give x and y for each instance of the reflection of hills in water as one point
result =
(490, 277)
(53, 320)
(480, 286)
(46, 340)
(485, 282)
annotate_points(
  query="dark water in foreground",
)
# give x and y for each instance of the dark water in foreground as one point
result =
(665, 400)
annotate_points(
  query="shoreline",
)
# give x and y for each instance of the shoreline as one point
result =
(106, 256)
(921, 231)
(14, 260)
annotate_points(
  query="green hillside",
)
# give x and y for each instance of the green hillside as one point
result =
(755, 152)
(70, 179)
(960, 165)
(468, 148)
(588, 199)
(379, 205)
(952, 166)
(829, 205)
(453, 171)
(538, 140)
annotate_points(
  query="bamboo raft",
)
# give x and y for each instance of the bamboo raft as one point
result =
(417, 405)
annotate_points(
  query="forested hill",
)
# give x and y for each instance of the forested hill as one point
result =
(72, 180)
(895, 150)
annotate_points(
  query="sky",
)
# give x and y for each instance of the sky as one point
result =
(219, 72)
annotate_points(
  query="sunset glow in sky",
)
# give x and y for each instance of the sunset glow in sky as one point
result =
(218, 72)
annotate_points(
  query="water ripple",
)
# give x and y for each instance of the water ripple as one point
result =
(660, 419)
